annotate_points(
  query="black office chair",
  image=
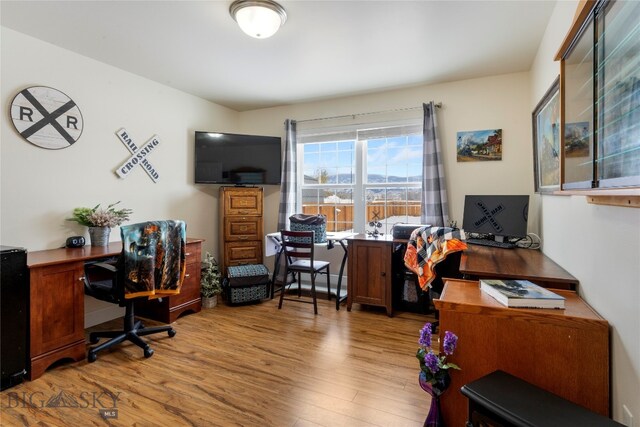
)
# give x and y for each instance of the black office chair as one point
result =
(152, 264)
(448, 268)
(298, 252)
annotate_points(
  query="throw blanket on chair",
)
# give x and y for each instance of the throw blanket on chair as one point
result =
(427, 247)
(154, 258)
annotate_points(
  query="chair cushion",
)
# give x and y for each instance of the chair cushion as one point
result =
(305, 265)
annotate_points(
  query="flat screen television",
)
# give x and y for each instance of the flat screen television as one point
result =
(499, 216)
(228, 158)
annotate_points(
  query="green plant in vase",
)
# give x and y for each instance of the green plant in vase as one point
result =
(100, 221)
(210, 281)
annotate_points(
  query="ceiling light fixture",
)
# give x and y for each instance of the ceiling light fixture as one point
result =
(258, 18)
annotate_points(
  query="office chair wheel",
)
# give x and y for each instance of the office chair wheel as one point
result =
(94, 340)
(172, 333)
(148, 352)
(92, 357)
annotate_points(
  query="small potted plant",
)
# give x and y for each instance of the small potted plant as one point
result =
(210, 282)
(100, 221)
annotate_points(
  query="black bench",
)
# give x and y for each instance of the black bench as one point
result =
(502, 400)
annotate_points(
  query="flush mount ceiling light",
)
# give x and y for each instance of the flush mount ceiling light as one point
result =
(258, 18)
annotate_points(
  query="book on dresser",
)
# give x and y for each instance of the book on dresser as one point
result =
(521, 294)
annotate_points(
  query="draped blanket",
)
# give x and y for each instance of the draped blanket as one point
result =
(154, 258)
(427, 247)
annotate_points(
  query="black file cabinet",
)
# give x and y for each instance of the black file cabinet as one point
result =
(14, 310)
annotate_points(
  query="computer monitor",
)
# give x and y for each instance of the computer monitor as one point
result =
(500, 216)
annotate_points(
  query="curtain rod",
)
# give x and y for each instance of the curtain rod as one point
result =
(437, 105)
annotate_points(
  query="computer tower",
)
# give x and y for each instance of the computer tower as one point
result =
(14, 312)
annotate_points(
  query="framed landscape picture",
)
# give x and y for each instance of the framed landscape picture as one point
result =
(546, 141)
(479, 145)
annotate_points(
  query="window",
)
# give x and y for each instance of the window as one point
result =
(360, 178)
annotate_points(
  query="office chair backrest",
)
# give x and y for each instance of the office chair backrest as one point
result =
(298, 244)
(153, 258)
(449, 268)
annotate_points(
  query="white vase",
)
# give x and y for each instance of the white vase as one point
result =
(209, 302)
(99, 236)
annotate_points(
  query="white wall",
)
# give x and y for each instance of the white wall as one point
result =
(39, 187)
(485, 103)
(600, 245)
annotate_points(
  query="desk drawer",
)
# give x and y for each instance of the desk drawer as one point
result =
(190, 287)
(193, 253)
(242, 228)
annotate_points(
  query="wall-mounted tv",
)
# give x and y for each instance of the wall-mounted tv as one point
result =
(228, 158)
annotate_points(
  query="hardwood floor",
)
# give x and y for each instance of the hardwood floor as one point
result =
(245, 366)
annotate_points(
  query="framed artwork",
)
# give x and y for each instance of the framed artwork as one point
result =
(479, 145)
(546, 141)
(576, 139)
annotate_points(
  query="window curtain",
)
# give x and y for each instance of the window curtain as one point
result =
(434, 204)
(288, 183)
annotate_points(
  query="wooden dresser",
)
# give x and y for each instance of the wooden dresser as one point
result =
(187, 301)
(241, 233)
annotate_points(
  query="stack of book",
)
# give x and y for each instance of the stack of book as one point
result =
(521, 294)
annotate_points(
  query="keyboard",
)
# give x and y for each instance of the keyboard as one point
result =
(492, 243)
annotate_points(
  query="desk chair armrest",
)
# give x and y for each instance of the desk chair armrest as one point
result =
(112, 268)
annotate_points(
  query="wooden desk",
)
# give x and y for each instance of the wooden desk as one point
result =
(56, 315)
(273, 246)
(482, 262)
(565, 352)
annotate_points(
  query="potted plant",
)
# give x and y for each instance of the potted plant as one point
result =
(210, 282)
(434, 375)
(100, 221)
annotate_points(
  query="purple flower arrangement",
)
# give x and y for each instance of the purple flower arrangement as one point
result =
(434, 368)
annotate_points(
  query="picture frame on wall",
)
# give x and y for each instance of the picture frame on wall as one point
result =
(546, 141)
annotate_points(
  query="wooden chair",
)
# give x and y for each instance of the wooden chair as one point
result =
(298, 251)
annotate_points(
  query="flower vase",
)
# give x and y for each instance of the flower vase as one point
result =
(99, 236)
(434, 418)
(209, 302)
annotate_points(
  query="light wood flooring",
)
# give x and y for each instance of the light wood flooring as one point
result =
(244, 366)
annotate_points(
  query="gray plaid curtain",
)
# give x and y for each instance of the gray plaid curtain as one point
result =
(288, 183)
(434, 205)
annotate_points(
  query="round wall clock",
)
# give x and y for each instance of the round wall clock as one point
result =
(46, 117)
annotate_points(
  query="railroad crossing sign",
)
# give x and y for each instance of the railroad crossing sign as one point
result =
(488, 215)
(138, 156)
(46, 117)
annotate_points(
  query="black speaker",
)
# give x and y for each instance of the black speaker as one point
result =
(75, 242)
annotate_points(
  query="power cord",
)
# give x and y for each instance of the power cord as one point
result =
(531, 241)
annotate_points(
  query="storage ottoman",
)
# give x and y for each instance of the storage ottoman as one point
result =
(247, 283)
